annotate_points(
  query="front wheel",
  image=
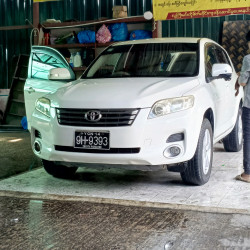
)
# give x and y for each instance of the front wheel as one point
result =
(233, 141)
(58, 171)
(199, 167)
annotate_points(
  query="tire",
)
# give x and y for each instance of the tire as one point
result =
(199, 167)
(58, 171)
(233, 141)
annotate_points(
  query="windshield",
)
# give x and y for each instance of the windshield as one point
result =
(146, 60)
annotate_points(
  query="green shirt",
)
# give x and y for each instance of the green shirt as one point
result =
(245, 78)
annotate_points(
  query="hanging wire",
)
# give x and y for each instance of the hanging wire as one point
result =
(30, 23)
(36, 33)
(34, 30)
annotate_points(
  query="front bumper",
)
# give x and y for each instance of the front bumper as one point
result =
(149, 135)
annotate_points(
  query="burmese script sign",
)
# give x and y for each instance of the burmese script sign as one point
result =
(184, 9)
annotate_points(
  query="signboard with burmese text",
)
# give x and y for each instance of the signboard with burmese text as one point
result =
(186, 9)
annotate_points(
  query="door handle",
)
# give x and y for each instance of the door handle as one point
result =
(31, 90)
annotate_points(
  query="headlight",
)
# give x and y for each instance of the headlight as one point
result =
(172, 105)
(43, 106)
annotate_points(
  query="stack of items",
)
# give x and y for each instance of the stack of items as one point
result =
(114, 32)
(120, 11)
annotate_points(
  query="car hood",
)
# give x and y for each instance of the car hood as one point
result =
(120, 92)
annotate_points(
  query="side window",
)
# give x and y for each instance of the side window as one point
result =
(210, 59)
(105, 65)
(222, 58)
(41, 65)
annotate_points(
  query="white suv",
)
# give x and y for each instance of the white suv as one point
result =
(155, 102)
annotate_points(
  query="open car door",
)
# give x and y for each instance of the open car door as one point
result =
(42, 60)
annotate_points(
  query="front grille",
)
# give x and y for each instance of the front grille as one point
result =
(38, 134)
(109, 117)
(98, 151)
(176, 137)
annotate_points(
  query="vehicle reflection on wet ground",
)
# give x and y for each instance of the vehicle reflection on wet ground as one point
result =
(43, 224)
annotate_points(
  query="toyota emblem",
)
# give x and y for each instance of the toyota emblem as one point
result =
(93, 116)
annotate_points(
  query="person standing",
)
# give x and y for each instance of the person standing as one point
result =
(244, 80)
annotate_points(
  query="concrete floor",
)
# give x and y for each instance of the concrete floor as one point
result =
(42, 224)
(119, 209)
(161, 189)
(16, 155)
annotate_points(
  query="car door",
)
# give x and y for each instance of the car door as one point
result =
(219, 91)
(230, 87)
(37, 84)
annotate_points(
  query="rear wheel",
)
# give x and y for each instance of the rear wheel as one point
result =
(233, 141)
(199, 167)
(58, 171)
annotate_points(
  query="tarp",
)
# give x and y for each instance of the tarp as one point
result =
(186, 9)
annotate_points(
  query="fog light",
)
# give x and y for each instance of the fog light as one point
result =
(172, 151)
(37, 147)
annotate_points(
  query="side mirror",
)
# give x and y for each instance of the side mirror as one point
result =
(222, 70)
(59, 74)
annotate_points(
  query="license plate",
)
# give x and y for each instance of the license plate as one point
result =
(92, 140)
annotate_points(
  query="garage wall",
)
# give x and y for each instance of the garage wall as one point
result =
(199, 27)
(15, 12)
(90, 9)
(13, 42)
(234, 40)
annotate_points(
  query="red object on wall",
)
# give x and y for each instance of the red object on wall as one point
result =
(46, 38)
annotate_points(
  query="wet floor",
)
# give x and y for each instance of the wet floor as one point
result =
(45, 221)
(16, 155)
(160, 189)
(41, 224)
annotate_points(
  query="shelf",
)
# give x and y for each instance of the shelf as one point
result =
(79, 68)
(132, 19)
(105, 44)
(79, 45)
(93, 24)
(71, 46)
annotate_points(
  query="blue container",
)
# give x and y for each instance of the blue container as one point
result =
(140, 34)
(86, 36)
(24, 123)
(119, 31)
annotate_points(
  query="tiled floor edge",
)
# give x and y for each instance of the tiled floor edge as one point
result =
(149, 204)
